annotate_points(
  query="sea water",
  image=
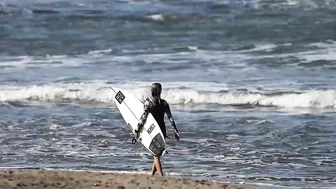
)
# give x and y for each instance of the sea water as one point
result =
(250, 83)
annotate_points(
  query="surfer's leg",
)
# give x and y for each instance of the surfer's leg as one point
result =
(153, 167)
(158, 165)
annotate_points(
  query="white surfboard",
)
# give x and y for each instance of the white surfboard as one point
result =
(131, 109)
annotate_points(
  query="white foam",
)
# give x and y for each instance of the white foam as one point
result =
(54, 127)
(283, 4)
(193, 48)
(156, 17)
(99, 52)
(94, 171)
(328, 54)
(74, 92)
(258, 4)
(325, 51)
(233, 59)
(114, 171)
(326, 45)
(189, 174)
(262, 47)
(3, 8)
(22, 62)
(175, 93)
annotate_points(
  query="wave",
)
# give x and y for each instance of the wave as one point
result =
(174, 93)
(156, 17)
(10, 9)
(100, 52)
(3, 9)
(321, 55)
(288, 4)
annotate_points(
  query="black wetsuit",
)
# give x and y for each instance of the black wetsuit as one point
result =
(157, 108)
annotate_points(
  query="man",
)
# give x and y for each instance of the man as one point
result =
(157, 107)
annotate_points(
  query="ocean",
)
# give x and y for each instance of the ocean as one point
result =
(251, 85)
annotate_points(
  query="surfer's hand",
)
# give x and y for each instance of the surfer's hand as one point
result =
(136, 133)
(139, 126)
(177, 135)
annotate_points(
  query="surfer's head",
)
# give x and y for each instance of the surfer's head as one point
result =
(156, 90)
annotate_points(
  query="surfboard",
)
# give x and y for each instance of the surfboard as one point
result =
(131, 109)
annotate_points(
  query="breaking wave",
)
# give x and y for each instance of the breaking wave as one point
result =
(174, 93)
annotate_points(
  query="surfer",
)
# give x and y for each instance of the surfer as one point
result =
(157, 107)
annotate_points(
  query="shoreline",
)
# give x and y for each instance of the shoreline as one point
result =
(56, 179)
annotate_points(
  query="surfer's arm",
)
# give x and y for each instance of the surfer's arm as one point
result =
(144, 116)
(170, 116)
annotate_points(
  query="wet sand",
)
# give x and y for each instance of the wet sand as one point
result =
(57, 179)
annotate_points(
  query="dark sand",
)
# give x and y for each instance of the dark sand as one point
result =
(55, 179)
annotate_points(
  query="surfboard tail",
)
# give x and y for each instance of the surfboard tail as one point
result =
(165, 152)
(157, 146)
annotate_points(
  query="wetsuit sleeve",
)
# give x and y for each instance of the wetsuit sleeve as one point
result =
(143, 118)
(170, 116)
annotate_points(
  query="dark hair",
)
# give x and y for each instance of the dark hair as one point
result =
(156, 89)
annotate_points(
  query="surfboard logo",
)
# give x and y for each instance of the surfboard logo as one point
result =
(150, 129)
(120, 97)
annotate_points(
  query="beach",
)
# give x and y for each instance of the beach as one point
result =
(54, 179)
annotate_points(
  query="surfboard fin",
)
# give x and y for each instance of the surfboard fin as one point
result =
(165, 152)
(134, 140)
